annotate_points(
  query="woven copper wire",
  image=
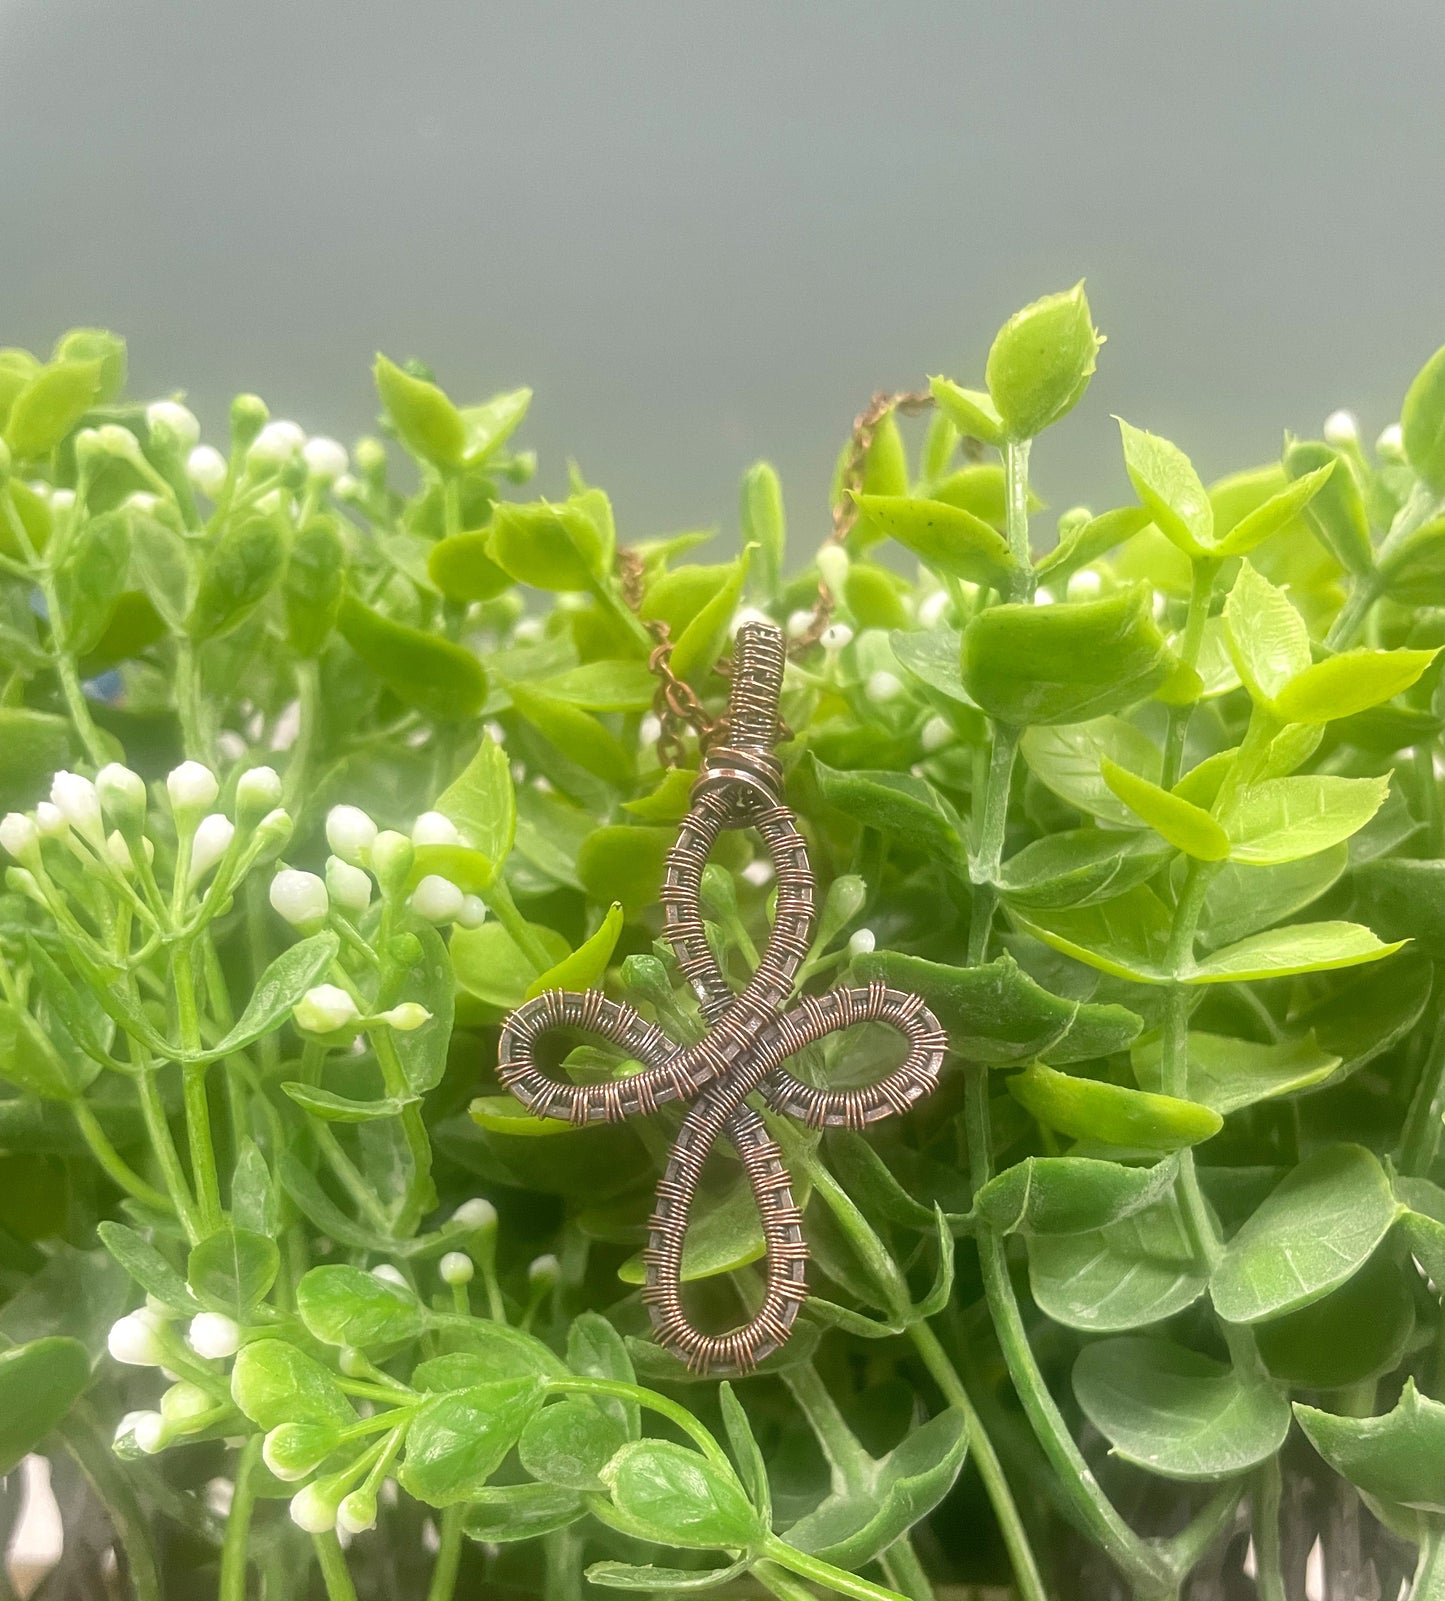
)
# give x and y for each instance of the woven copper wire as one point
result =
(751, 1034)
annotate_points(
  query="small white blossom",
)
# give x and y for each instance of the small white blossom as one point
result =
(528, 632)
(214, 834)
(862, 942)
(214, 1335)
(749, 614)
(798, 624)
(78, 803)
(1341, 429)
(758, 873)
(478, 1213)
(276, 444)
(544, 1271)
(437, 899)
(346, 487)
(19, 835)
(435, 828)
(649, 730)
(936, 733)
(118, 850)
(833, 567)
(122, 793)
(133, 1339)
(456, 1268)
(185, 1402)
(149, 1432)
(61, 501)
(323, 1009)
(348, 886)
(313, 1511)
(50, 820)
(141, 500)
(407, 1016)
(206, 469)
(1085, 584)
(391, 858)
(356, 1513)
(258, 789)
(125, 1429)
(883, 686)
(473, 913)
(388, 1274)
(117, 441)
(1391, 443)
(1044, 596)
(299, 897)
(325, 459)
(192, 787)
(932, 607)
(836, 637)
(350, 833)
(173, 425)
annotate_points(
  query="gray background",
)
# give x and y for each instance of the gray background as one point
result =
(705, 233)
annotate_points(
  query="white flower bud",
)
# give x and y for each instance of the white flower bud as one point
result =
(391, 857)
(758, 873)
(172, 426)
(528, 632)
(133, 1340)
(649, 730)
(436, 899)
(356, 1513)
(882, 687)
(833, 567)
(478, 1213)
(119, 851)
(214, 1336)
(62, 501)
(183, 1403)
(836, 637)
(50, 820)
(258, 790)
(936, 733)
(388, 1274)
(78, 803)
(544, 1271)
(473, 913)
(1085, 584)
(350, 833)
(346, 487)
(1341, 429)
(117, 441)
(192, 787)
(19, 835)
(214, 834)
(798, 624)
(456, 1268)
(125, 1429)
(862, 942)
(1391, 443)
(149, 1432)
(323, 1009)
(206, 469)
(1043, 596)
(141, 500)
(434, 828)
(272, 832)
(276, 444)
(407, 1016)
(325, 459)
(122, 793)
(348, 886)
(300, 898)
(313, 1510)
(932, 607)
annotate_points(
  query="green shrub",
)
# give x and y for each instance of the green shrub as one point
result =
(318, 765)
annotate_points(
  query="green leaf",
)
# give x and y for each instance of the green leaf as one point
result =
(582, 739)
(726, 1236)
(1068, 761)
(1041, 361)
(89, 580)
(1301, 948)
(696, 649)
(315, 582)
(1069, 1194)
(630, 1576)
(850, 1530)
(562, 547)
(36, 744)
(1337, 511)
(1165, 481)
(147, 1266)
(994, 1012)
(596, 1350)
(747, 1453)
(422, 1051)
(456, 1441)
(1241, 899)
(232, 1269)
(346, 1306)
(1314, 1231)
(333, 1108)
(1359, 1332)
(905, 808)
(39, 1383)
(501, 1513)
(166, 568)
(1268, 641)
(1176, 1413)
(253, 1194)
(489, 965)
(482, 803)
(950, 540)
(461, 567)
(236, 575)
(587, 965)
(1422, 422)
(1341, 686)
(1414, 571)
(273, 1383)
(277, 990)
(619, 863)
(569, 1443)
(426, 422)
(971, 411)
(670, 802)
(1226, 1074)
(1080, 867)
(50, 405)
(605, 686)
(1088, 1109)
(1398, 1458)
(1126, 1276)
(490, 425)
(669, 1494)
(1066, 663)
(1268, 518)
(440, 679)
(763, 521)
(1090, 539)
(1186, 827)
(934, 657)
(1286, 819)
(1127, 936)
(492, 1351)
(30, 1062)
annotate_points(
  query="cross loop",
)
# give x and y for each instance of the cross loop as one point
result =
(750, 1035)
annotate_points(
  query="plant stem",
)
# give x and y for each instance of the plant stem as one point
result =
(232, 1585)
(1202, 576)
(65, 670)
(983, 870)
(449, 1556)
(810, 1567)
(1420, 1136)
(421, 1194)
(333, 1568)
(1363, 594)
(1016, 511)
(194, 1092)
(904, 1571)
(111, 1161)
(1264, 1524)
(697, 1432)
(164, 1147)
(188, 702)
(499, 899)
(1429, 1581)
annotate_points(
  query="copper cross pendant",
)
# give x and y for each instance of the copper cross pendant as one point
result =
(750, 1036)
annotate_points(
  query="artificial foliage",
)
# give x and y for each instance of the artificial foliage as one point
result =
(316, 763)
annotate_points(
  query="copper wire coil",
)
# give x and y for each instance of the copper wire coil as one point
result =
(749, 1039)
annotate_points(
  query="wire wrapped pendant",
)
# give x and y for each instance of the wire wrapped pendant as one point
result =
(751, 1033)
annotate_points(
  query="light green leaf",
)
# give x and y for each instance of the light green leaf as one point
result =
(950, 540)
(456, 1441)
(586, 966)
(696, 649)
(1226, 1074)
(1268, 640)
(1186, 827)
(277, 990)
(1092, 538)
(461, 566)
(668, 1494)
(1080, 867)
(489, 965)
(1341, 686)
(1422, 422)
(1069, 1194)
(1165, 481)
(605, 686)
(1088, 1109)
(1068, 759)
(1337, 511)
(1302, 948)
(1127, 936)
(1359, 1332)
(618, 863)
(426, 422)
(39, 1383)
(232, 1269)
(570, 1442)
(441, 679)
(899, 805)
(482, 803)
(333, 1108)
(50, 405)
(580, 737)
(566, 547)
(346, 1306)
(971, 411)
(1398, 1458)
(273, 1383)
(1268, 518)
(490, 425)
(1040, 362)
(1287, 819)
